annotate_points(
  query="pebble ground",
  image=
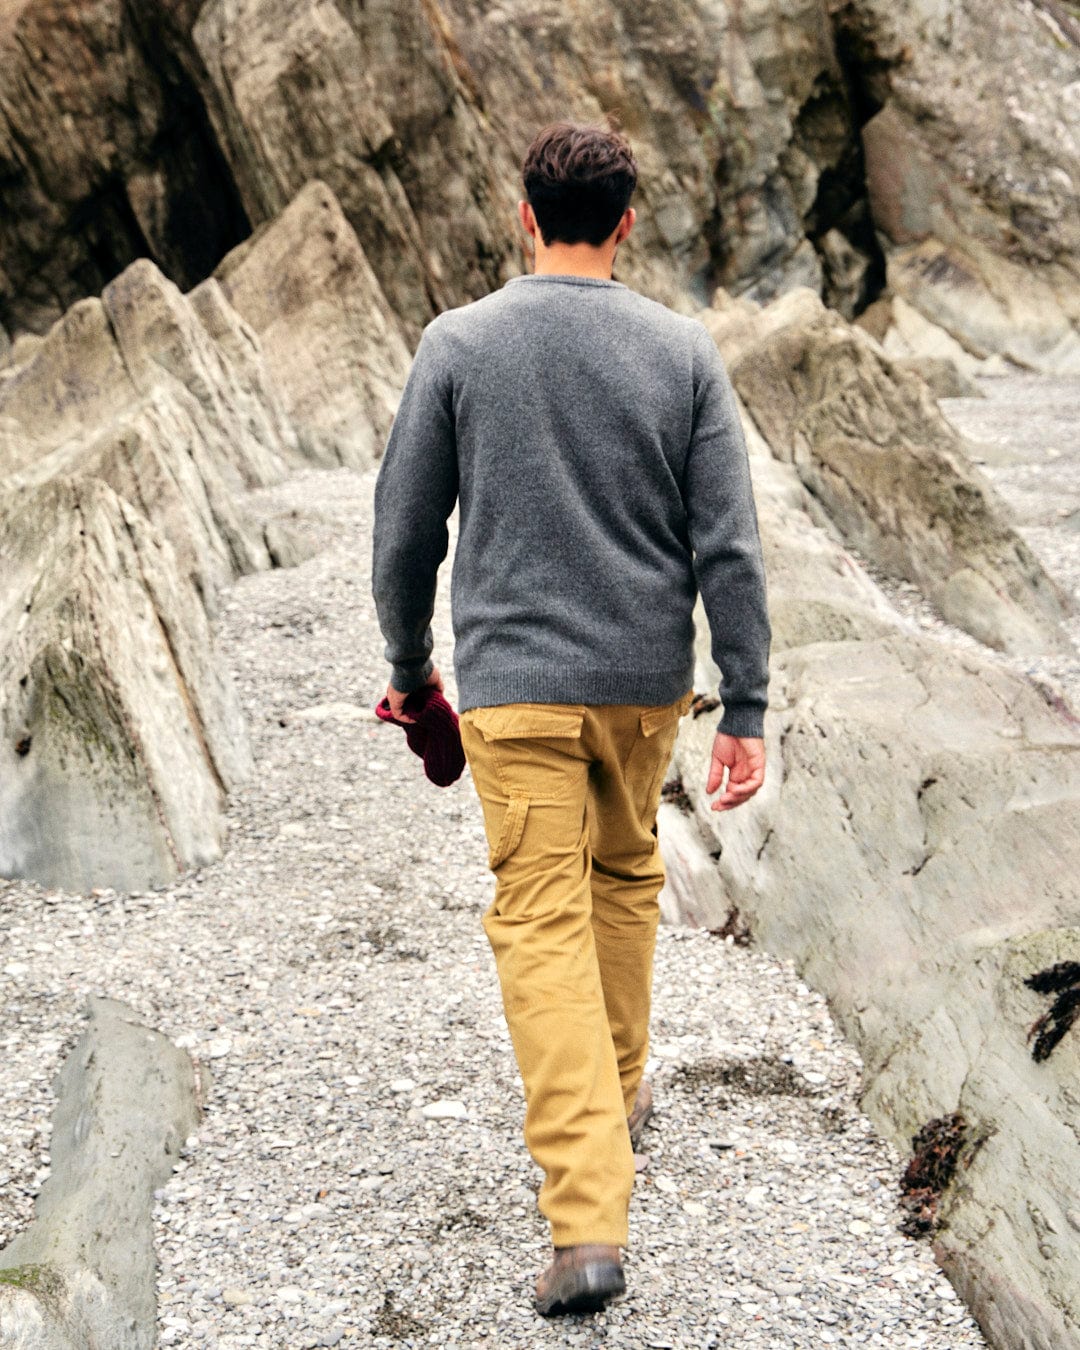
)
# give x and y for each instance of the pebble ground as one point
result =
(359, 1178)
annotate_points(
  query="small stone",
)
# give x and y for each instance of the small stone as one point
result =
(445, 1110)
(402, 1085)
(237, 1298)
(666, 1185)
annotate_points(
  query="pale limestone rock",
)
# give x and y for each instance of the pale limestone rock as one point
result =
(910, 333)
(135, 389)
(119, 732)
(871, 445)
(82, 1273)
(329, 339)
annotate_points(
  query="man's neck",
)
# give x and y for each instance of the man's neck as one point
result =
(573, 260)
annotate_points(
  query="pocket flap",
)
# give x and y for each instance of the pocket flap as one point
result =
(652, 719)
(527, 719)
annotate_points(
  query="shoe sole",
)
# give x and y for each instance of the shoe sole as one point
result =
(583, 1291)
(639, 1128)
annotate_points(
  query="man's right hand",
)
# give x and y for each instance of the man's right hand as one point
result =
(744, 759)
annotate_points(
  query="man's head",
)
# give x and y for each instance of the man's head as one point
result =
(578, 182)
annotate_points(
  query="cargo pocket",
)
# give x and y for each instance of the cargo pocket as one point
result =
(653, 757)
(511, 720)
(534, 748)
(513, 826)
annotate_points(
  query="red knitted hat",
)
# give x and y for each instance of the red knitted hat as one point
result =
(434, 736)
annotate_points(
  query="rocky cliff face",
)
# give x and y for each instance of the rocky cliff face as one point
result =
(849, 145)
(972, 152)
(222, 228)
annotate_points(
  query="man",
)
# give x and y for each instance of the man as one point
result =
(592, 439)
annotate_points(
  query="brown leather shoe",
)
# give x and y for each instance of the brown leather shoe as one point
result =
(580, 1280)
(641, 1114)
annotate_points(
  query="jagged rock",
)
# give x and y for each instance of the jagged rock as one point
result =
(330, 341)
(870, 443)
(817, 591)
(904, 332)
(135, 389)
(119, 733)
(129, 442)
(83, 1273)
(916, 849)
(19, 352)
(261, 401)
(162, 338)
(156, 459)
(941, 375)
(375, 105)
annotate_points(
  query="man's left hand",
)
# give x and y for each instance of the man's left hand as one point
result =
(396, 698)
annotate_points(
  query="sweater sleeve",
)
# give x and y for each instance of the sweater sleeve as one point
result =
(723, 529)
(415, 492)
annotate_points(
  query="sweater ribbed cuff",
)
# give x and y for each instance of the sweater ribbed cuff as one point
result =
(743, 719)
(407, 678)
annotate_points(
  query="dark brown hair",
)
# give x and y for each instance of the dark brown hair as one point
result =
(579, 179)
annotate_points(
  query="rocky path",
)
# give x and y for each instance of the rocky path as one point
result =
(359, 1178)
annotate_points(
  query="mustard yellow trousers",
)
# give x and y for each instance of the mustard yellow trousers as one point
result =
(569, 794)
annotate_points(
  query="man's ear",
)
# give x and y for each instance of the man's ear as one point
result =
(525, 215)
(626, 224)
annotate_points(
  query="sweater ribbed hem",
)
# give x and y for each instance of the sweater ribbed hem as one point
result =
(743, 719)
(571, 684)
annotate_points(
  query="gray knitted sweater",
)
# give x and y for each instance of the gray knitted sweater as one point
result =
(591, 438)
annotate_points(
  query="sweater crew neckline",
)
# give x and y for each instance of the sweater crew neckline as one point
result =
(569, 279)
